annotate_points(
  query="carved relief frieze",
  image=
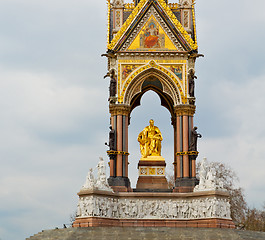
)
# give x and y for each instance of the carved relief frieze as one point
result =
(146, 208)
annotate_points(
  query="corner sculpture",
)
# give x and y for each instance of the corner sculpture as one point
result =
(208, 179)
(191, 77)
(111, 144)
(194, 139)
(112, 87)
(101, 182)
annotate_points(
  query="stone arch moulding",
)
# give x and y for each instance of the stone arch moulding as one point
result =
(171, 95)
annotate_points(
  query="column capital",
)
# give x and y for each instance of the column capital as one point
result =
(184, 110)
(119, 109)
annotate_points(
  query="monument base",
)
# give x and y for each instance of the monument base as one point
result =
(153, 209)
(152, 173)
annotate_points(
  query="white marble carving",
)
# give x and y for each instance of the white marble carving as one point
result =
(146, 208)
(90, 181)
(208, 179)
(101, 182)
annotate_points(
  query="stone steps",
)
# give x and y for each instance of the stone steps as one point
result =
(146, 233)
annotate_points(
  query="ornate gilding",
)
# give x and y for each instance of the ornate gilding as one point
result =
(194, 24)
(185, 110)
(129, 6)
(153, 64)
(119, 80)
(173, 6)
(108, 33)
(169, 13)
(119, 109)
(135, 36)
(126, 24)
(178, 24)
(187, 153)
(118, 153)
(185, 81)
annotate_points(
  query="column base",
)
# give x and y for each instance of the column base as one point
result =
(120, 184)
(183, 185)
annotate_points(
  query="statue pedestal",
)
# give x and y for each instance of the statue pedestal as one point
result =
(152, 173)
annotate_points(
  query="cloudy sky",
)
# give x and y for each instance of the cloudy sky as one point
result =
(54, 110)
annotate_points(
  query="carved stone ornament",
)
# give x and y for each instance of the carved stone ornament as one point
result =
(101, 182)
(185, 3)
(90, 181)
(182, 110)
(119, 109)
(208, 179)
(146, 208)
(118, 3)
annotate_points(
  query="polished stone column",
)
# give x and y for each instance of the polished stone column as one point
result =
(185, 169)
(119, 158)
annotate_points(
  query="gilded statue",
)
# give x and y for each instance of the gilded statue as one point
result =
(150, 140)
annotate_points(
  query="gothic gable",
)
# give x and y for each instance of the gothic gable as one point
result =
(152, 34)
(175, 36)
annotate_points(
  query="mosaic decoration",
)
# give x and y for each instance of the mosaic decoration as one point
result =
(176, 69)
(126, 70)
(152, 37)
(143, 171)
(160, 171)
(136, 37)
(152, 171)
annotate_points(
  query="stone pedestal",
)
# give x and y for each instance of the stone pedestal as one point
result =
(152, 173)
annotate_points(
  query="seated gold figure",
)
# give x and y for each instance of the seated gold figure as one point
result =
(150, 140)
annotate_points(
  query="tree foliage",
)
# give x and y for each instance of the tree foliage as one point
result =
(237, 198)
(255, 219)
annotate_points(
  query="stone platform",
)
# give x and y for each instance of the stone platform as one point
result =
(139, 233)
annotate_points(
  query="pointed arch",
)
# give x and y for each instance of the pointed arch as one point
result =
(170, 85)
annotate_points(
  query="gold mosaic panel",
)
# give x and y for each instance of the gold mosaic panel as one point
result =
(152, 171)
